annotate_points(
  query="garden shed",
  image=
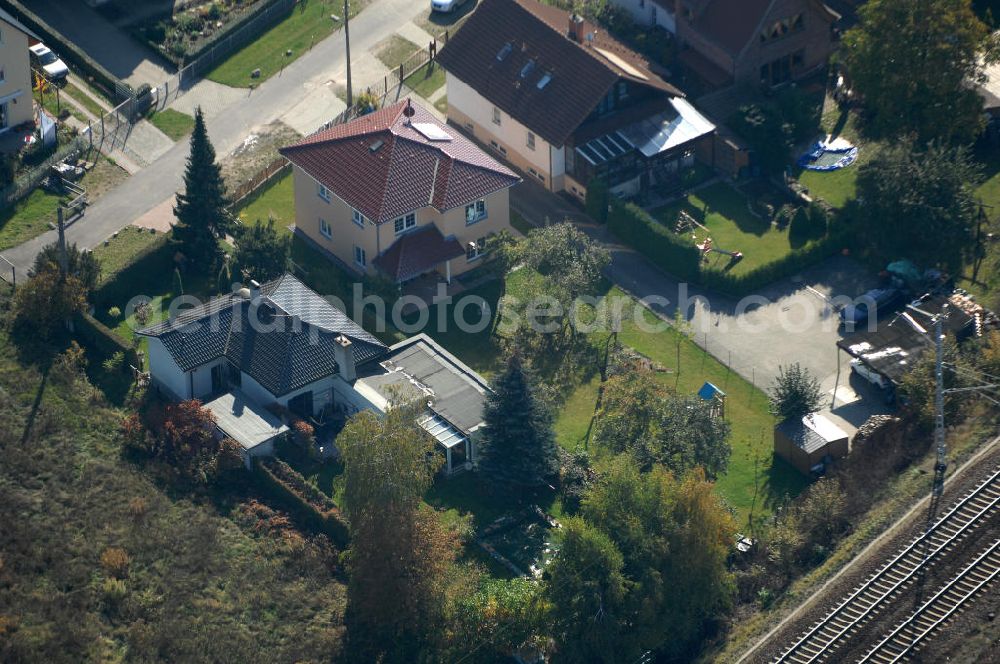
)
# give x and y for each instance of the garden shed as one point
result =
(810, 443)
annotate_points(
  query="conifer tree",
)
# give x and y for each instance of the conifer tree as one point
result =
(201, 210)
(518, 449)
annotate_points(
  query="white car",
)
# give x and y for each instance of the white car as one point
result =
(43, 58)
(446, 6)
(873, 377)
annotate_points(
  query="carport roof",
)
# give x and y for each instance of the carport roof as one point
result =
(894, 346)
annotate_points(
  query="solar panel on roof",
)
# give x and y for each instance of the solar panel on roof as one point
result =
(431, 131)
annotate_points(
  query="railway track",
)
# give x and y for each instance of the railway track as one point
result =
(933, 613)
(840, 623)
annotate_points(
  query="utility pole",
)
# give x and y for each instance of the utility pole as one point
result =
(942, 462)
(347, 44)
(63, 258)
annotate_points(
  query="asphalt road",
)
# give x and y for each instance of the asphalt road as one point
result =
(163, 178)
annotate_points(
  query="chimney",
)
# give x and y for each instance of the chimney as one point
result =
(576, 28)
(344, 356)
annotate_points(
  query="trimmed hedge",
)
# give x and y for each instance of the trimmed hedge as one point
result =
(674, 255)
(143, 275)
(103, 339)
(109, 84)
(597, 200)
(636, 227)
(304, 500)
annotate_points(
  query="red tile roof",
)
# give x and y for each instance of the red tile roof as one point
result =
(381, 165)
(507, 47)
(417, 252)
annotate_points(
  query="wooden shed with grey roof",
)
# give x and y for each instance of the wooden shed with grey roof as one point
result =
(811, 443)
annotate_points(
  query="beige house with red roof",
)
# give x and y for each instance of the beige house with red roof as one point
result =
(399, 193)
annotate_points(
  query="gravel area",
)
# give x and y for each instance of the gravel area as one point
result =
(938, 573)
(256, 152)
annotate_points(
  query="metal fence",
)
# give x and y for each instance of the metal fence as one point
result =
(393, 81)
(26, 183)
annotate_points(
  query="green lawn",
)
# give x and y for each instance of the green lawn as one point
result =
(55, 103)
(173, 123)
(746, 410)
(27, 218)
(394, 50)
(723, 210)
(30, 217)
(276, 201)
(121, 251)
(838, 187)
(307, 24)
(426, 80)
(80, 96)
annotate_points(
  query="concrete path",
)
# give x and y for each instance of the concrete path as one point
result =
(116, 50)
(299, 94)
(414, 33)
(789, 321)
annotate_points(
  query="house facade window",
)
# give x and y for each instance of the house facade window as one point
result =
(324, 229)
(405, 223)
(323, 192)
(531, 141)
(358, 218)
(475, 250)
(499, 148)
(496, 115)
(475, 212)
(359, 256)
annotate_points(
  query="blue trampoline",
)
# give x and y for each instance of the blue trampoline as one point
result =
(829, 155)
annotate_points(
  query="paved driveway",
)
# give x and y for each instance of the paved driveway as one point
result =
(789, 321)
(115, 49)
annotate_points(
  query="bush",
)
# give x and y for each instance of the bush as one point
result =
(597, 200)
(652, 239)
(302, 498)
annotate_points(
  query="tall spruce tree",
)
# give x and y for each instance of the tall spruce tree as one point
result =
(518, 449)
(201, 210)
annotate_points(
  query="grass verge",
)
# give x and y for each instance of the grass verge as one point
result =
(306, 25)
(173, 123)
(394, 50)
(426, 80)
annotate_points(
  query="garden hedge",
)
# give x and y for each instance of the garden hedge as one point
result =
(143, 275)
(307, 502)
(678, 257)
(103, 339)
(655, 241)
(100, 77)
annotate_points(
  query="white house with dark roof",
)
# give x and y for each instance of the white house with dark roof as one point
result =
(263, 354)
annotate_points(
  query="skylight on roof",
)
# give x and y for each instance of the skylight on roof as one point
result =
(431, 131)
(504, 51)
(375, 146)
(544, 80)
(527, 69)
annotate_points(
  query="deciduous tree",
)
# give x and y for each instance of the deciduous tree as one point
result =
(919, 204)
(48, 300)
(642, 416)
(201, 212)
(400, 552)
(587, 595)
(81, 264)
(916, 64)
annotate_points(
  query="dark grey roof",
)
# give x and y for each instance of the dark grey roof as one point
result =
(895, 346)
(420, 368)
(290, 344)
(812, 432)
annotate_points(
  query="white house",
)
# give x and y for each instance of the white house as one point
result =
(272, 351)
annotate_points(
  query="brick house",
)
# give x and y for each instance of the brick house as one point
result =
(564, 102)
(754, 42)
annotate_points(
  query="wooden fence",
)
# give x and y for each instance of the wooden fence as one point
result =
(275, 169)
